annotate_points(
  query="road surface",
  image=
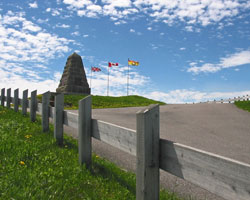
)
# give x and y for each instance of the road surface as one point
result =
(218, 128)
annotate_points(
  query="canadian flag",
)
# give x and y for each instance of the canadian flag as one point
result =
(112, 64)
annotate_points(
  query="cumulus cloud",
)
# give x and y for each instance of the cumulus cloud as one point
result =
(234, 60)
(14, 81)
(189, 11)
(25, 50)
(62, 26)
(33, 5)
(190, 96)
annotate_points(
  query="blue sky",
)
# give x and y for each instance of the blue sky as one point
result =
(189, 50)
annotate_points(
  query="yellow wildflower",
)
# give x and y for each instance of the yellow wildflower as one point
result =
(28, 136)
(22, 163)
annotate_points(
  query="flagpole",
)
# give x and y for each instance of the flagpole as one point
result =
(128, 79)
(91, 76)
(108, 83)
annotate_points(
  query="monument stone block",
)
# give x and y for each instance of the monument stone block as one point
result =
(74, 79)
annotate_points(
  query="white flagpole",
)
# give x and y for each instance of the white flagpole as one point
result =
(108, 83)
(128, 79)
(91, 76)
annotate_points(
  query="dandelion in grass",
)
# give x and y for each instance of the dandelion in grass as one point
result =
(97, 156)
(22, 163)
(28, 136)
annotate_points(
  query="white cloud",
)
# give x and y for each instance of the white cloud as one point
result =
(190, 96)
(94, 8)
(85, 36)
(118, 3)
(33, 5)
(78, 3)
(234, 60)
(25, 49)
(149, 28)
(135, 32)
(132, 30)
(62, 26)
(55, 12)
(120, 22)
(189, 11)
(76, 33)
(48, 9)
(42, 21)
(182, 48)
(33, 82)
(189, 28)
(27, 25)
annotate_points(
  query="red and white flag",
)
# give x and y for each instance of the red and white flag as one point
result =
(112, 64)
(95, 69)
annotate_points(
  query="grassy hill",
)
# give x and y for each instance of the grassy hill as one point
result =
(245, 105)
(71, 101)
(33, 166)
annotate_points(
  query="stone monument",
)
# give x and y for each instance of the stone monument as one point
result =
(74, 79)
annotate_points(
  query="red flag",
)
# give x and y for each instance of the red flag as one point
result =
(112, 64)
(95, 69)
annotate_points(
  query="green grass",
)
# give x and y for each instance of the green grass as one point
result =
(71, 101)
(32, 166)
(245, 105)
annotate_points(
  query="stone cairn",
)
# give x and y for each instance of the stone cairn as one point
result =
(74, 79)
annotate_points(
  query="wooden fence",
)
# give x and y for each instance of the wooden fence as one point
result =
(225, 177)
(230, 100)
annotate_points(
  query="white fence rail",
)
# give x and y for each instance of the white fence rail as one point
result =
(230, 100)
(225, 177)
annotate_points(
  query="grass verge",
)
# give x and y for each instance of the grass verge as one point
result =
(71, 101)
(245, 105)
(32, 166)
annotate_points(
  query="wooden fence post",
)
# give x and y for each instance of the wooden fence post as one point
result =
(84, 131)
(8, 97)
(33, 106)
(2, 96)
(16, 100)
(147, 154)
(58, 118)
(45, 111)
(25, 102)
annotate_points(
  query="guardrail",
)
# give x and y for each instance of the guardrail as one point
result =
(225, 177)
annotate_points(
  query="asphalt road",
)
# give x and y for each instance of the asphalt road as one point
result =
(218, 128)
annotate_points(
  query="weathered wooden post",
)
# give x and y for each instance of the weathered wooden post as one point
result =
(33, 106)
(8, 98)
(45, 111)
(16, 100)
(147, 154)
(25, 102)
(84, 131)
(58, 118)
(2, 96)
